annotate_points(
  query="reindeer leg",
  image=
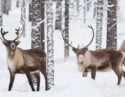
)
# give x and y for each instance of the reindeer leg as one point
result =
(118, 73)
(37, 75)
(93, 72)
(12, 77)
(123, 72)
(46, 81)
(29, 79)
(43, 71)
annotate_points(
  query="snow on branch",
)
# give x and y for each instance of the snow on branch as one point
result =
(38, 24)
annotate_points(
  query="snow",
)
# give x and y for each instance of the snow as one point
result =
(68, 81)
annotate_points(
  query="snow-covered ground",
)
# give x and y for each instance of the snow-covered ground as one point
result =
(68, 81)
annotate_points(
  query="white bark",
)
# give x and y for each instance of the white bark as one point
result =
(1, 13)
(36, 18)
(23, 14)
(99, 23)
(50, 50)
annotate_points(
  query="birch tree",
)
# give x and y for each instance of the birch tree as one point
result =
(77, 5)
(112, 24)
(99, 23)
(88, 5)
(6, 6)
(58, 24)
(50, 43)
(17, 3)
(23, 14)
(42, 24)
(84, 11)
(66, 34)
(36, 18)
(30, 11)
(1, 2)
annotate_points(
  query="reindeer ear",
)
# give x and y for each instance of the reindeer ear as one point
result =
(17, 43)
(5, 43)
(85, 49)
(74, 49)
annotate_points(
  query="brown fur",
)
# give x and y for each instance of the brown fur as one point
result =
(24, 61)
(122, 47)
(78, 51)
(104, 60)
(28, 61)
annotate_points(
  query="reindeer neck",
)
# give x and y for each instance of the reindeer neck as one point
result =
(11, 53)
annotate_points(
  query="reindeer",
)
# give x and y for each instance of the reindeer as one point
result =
(79, 51)
(28, 62)
(122, 47)
(98, 60)
(103, 60)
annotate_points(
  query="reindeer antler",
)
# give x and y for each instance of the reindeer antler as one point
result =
(17, 33)
(69, 44)
(3, 33)
(90, 26)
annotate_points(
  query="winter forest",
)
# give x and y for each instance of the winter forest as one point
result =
(62, 48)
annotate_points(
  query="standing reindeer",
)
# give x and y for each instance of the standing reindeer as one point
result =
(24, 61)
(104, 60)
(79, 51)
(98, 60)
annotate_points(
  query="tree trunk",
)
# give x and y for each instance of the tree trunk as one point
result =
(42, 24)
(50, 49)
(23, 15)
(6, 6)
(58, 24)
(30, 12)
(84, 11)
(112, 24)
(99, 23)
(66, 34)
(77, 5)
(36, 29)
(17, 3)
(1, 2)
(89, 4)
(36, 13)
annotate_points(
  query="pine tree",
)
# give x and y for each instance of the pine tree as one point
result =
(112, 24)
(99, 23)
(58, 24)
(66, 34)
(50, 50)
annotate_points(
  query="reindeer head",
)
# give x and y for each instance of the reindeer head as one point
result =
(11, 44)
(80, 52)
